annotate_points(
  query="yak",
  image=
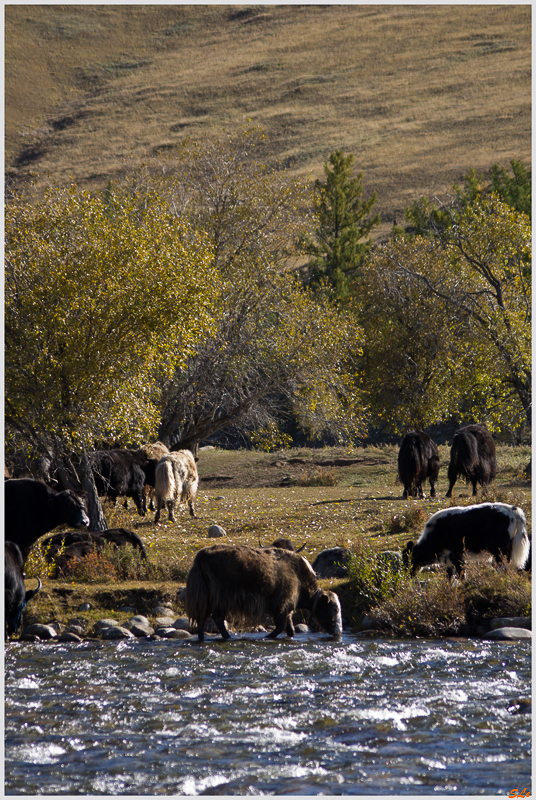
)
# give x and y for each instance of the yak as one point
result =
(120, 473)
(32, 509)
(249, 583)
(496, 528)
(176, 480)
(418, 459)
(16, 596)
(473, 455)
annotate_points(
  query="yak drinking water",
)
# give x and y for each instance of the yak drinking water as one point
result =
(497, 528)
(249, 583)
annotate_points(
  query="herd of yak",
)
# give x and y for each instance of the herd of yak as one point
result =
(244, 582)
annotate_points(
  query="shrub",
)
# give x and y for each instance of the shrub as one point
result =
(370, 581)
(320, 476)
(91, 568)
(37, 565)
(409, 520)
(424, 608)
(489, 592)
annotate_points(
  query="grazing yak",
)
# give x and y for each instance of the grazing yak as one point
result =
(473, 455)
(496, 528)
(418, 459)
(15, 595)
(63, 547)
(32, 509)
(150, 455)
(176, 481)
(120, 473)
(249, 583)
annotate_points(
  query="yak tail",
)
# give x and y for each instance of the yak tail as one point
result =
(196, 600)
(520, 540)
(165, 481)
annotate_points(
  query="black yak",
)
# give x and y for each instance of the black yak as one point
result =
(497, 528)
(15, 595)
(418, 459)
(176, 480)
(473, 455)
(249, 583)
(32, 509)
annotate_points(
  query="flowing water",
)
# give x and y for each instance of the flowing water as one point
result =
(250, 717)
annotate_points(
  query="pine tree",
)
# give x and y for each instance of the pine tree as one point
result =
(343, 224)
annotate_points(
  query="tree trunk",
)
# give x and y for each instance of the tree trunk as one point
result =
(97, 521)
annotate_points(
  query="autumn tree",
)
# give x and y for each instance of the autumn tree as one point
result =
(275, 349)
(461, 301)
(341, 238)
(99, 300)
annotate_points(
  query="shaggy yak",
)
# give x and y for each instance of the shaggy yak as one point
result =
(176, 480)
(473, 455)
(16, 597)
(418, 459)
(249, 583)
(497, 528)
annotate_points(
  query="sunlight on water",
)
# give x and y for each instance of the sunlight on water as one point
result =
(250, 717)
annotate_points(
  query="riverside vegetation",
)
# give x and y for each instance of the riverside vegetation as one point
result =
(320, 498)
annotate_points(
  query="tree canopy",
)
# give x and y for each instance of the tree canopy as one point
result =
(98, 300)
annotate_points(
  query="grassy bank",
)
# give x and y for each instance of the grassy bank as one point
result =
(320, 498)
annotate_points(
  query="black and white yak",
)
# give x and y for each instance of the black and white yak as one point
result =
(249, 583)
(176, 481)
(418, 460)
(16, 597)
(472, 455)
(496, 528)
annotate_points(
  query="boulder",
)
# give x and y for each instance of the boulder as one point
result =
(508, 634)
(38, 630)
(216, 532)
(114, 632)
(332, 563)
(511, 622)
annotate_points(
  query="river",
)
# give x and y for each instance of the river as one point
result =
(254, 717)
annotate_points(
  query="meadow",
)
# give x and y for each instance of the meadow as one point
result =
(320, 498)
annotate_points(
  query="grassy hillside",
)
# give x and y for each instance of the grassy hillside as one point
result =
(419, 94)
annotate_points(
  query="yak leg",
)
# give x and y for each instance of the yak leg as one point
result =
(159, 505)
(420, 492)
(219, 619)
(169, 505)
(283, 622)
(432, 488)
(191, 507)
(474, 487)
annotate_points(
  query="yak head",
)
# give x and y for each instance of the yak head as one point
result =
(327, 612)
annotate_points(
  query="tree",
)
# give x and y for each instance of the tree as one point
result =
(275, 349)
(98, 302)
(340, 242)
(515, 190)
(474, 277)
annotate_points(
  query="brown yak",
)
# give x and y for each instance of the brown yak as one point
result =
(249, 583)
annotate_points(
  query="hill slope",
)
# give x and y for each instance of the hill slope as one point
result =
(419, 94)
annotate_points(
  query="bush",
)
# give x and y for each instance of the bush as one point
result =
(424, 608)
(489, 592)
(371, 580)
(320, 476)
(91, 568)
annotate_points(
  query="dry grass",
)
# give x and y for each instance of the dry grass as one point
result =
(420, 94)
(256, 509)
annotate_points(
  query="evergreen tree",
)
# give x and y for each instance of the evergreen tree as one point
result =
(344, 222)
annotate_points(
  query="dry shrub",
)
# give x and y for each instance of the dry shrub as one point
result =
(320, 476)
(37, 564)
(424, 608)
(491, 592)
(405, 521)
(91, 568)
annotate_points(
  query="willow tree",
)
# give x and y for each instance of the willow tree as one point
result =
(98, 301)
